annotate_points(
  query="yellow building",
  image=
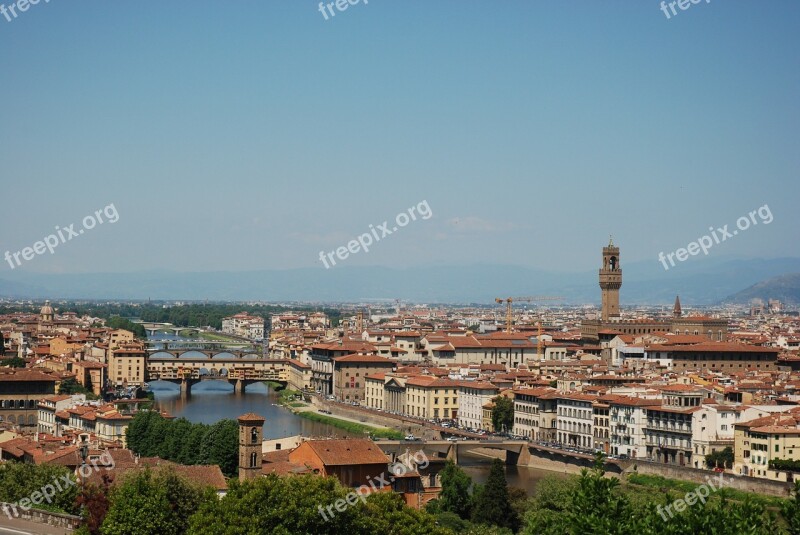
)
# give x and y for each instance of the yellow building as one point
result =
(119, 337)
(431, 397)
(60, 346)
(127, 365)
(299, 375)
(762, 440)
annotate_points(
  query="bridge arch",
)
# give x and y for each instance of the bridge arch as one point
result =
(251, 356)
(193, 354)
(162, 355)
(224, 355)
(204, 371)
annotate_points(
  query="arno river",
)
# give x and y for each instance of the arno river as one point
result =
(212, 401)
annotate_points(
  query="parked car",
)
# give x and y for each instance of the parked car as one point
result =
(411, 438)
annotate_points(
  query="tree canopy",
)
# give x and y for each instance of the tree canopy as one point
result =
(455, 495)
(492, 504)
(181, 441)
(503, 413)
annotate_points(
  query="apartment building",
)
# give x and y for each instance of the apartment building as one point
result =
(759, 441)
(601, 430)
(713, 426)
(243, 324)
(628, 419)
(548, 417)
(715, 356)
(575, 420)
(21, 390)
(119, 337)
(668, 434)
(526, 412)
(350, 371)
(127, 365)
(299, 374)
(49, 406)
(428, 396)
(321, 361)
(472, 396)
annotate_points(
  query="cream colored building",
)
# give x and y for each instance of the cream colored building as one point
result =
(762, 440)
(472, 396)
(431, 397)
(127, 365)
(119, 338)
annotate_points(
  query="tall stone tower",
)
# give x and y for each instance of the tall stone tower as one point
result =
(251, 433)
(610, 282)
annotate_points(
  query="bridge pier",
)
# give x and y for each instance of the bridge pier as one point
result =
(523, 458)
(452, 453)
(238, 387)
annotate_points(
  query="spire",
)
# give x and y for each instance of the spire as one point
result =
(610, 240)
(676, 310)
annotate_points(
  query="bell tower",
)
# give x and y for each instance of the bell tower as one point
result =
(610, 282)
(251, 433)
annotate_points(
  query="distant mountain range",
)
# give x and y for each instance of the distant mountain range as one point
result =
(785, 288)
(704, 281)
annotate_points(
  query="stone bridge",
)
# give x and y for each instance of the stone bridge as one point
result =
(188, 368)
(518, 452)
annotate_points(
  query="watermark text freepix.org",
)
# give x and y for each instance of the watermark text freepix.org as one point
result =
(60, 484)
(396, 469)
(700, 494)
(704, 243)
(363, 242)
(65, 234)
(20, 5)
(340, 5)
(666, 7)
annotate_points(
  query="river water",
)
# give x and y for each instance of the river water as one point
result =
(212, 401)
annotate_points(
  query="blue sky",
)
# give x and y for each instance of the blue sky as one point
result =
(254, 134)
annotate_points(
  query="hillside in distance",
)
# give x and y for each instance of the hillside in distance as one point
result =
(785, 288)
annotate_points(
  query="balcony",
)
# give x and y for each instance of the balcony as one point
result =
(670, 426)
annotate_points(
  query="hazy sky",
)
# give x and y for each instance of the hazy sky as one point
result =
(253, 134)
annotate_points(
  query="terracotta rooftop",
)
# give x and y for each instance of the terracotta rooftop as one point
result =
(347, 451)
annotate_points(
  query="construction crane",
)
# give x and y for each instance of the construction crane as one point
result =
(529, 299)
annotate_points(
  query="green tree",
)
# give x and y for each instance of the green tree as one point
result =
(790, 511)
(492, 504)
(551, 500)
(14, 362)
(220, 446)
(21, 480)
(385, 512)
(148, 502)
(280, 506)
(723, 458)
(597, 505)
(71, 386)
(455, 496)
(502, 413)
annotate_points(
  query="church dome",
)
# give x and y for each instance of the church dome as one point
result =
(46, 309)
